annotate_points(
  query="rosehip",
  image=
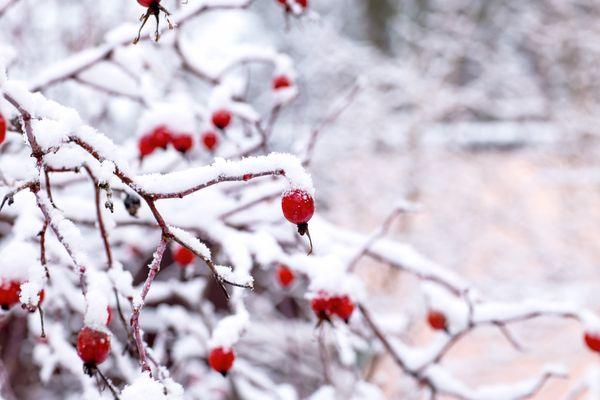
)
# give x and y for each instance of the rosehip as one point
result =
(92, 346)
(298, 206)
(161, 137)
(592, 340)
(285, 276)
(9, 294)
(183, 143)
(210, 140)
(221, 359)
(320, 306)
(302, 3)
(2, 128)
(281, 82)
(183, 256)
(147, 3)
(221, 118)
(437, 320)
(341, 306)
(146, 146)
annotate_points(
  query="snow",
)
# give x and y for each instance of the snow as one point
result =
(146, 388)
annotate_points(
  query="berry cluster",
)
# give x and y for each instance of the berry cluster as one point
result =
(160, 138)
(326, 306)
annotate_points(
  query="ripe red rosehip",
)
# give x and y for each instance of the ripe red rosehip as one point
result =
(9, 294)
(592, 340)
(285, 276)
(281, 82)
(302, 3)
(320, 306)
(183, 256)
(342, 306)
(92, 346)
(298, 206)
(221, 118)
(437, 320)
(183, 143)
(146, 146)
(221, 359)
(210, 140)
(2, 128)
(161, 137)
(147, 3)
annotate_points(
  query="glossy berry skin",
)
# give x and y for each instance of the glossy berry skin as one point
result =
(281, 82)
(320, 306)
(161, 137)
(285, 276)
(210, 140)
(437, 320)
(183, 143)
(342, 306)
(146, 146)
(221, 359)
(2, 128)
(9, 294)
(147, 3)
(93, 346)
(592, 340)
(221, 118)
(298, 206)
(183, 256)
(302, 3)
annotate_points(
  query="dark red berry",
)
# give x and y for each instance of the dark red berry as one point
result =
(281, 82)
(9, 294)
(285, 276)
(320, 306)
(161, 137)
(342, 306)
(437, 320)
(221, 359)
(146, 146)
(221, 118)
(2, 128)
(183, 256)
(147, 3)
(247, 177)
(592, 340)
(210, 140)
(183, 143)
(298, 206)
(302, 3)
(92, 346)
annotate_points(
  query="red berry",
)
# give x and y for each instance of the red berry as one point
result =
(9, 294)
(247, 177)
(210, 140)
(146, 146)
(42, 295)
(161, 137)
(341, 306)
(147, 3)
(320, 306)
(281, 82)
(92, 346)
(302, 3)
(183, 143)
(592, 340)
(221, 118)
(2, 128)
(183, 256)
(285, 276)
(437, 320)
(221, 359)
(298, 206)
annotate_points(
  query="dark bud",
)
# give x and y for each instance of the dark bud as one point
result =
(132, 204)
(89, 369)
(5, 307)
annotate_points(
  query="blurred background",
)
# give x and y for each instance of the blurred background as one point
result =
(484, 112)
